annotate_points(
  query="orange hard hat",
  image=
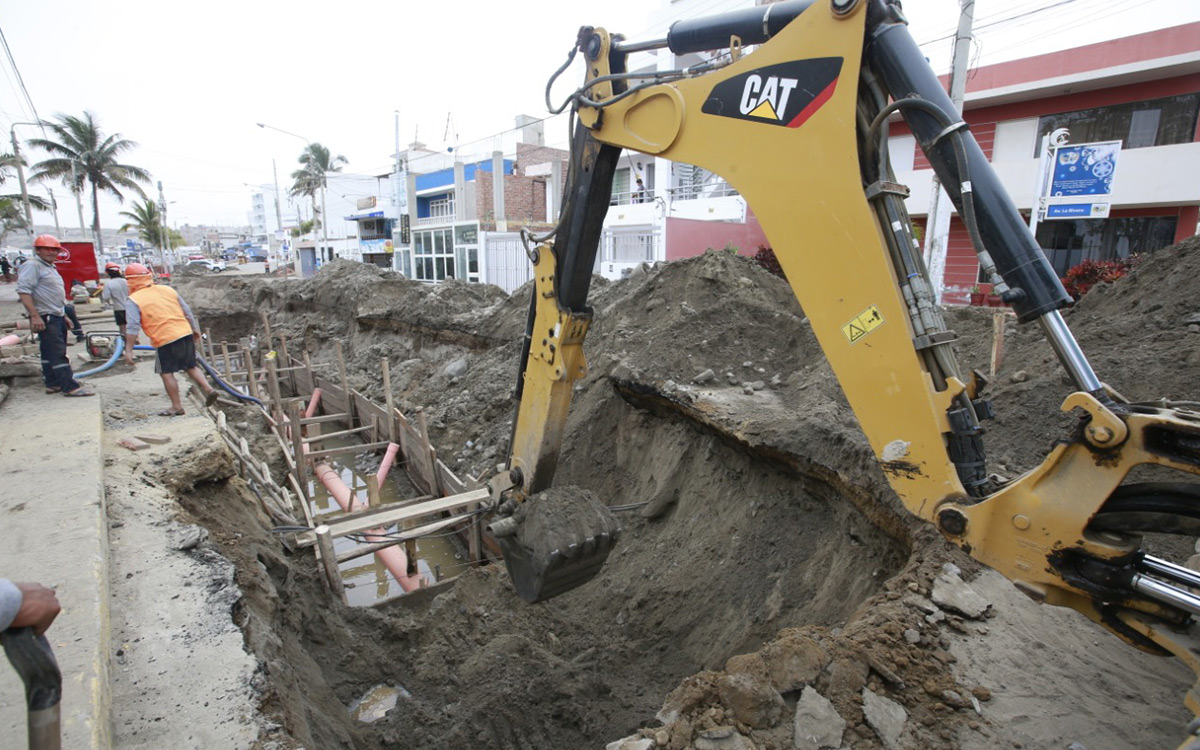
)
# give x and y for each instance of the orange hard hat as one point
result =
(110, 266)
(136, 269)
(47, 240)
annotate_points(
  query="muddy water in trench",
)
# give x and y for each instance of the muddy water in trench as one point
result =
(367, 580)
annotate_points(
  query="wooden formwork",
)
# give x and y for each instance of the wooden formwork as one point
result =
(345, 411)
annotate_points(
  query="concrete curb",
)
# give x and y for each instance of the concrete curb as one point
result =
(54, 530)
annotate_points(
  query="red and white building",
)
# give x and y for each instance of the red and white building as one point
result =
(1143, 90)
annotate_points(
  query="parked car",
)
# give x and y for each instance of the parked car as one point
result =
(215, 266)
(256, 258)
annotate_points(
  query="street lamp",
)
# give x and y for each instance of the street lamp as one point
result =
(324, 213)
(12, 133)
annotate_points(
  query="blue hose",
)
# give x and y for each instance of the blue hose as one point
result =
(213, 374)
(111, 360)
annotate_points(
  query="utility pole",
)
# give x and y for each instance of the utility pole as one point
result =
(77, 189)
(165, 245)
(12, 132)
(54, 208)
(937, 226)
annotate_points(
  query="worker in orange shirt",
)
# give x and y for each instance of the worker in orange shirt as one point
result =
(168, 321)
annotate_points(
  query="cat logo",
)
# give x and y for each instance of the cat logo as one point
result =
(786, 94)
(767, 99)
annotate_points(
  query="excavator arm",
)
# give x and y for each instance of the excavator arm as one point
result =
(799, 128)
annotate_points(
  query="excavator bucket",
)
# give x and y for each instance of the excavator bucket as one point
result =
(561, 539)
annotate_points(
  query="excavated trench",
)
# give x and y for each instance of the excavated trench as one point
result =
(729, 548)
(765, 548)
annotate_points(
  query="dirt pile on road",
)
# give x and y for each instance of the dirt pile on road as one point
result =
(769, 587)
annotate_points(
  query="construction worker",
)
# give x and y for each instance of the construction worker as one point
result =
(172, 329)
(40, 290)
(115, 293)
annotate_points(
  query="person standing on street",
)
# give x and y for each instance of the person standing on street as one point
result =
(115, 293)
(172, 329)
(40, 290)
(5, 269)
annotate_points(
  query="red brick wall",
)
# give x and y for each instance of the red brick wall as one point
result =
(524, 198)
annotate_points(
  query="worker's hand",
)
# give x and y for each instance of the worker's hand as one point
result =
(39, 607)
(36, 324)
(196, 336)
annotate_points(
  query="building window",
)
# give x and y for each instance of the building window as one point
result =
(1156, 122)
(1068, 243)
(433, 255)
(441, 208)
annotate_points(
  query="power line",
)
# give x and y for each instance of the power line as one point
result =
(17, 72)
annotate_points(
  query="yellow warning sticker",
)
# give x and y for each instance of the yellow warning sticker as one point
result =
(868, 320)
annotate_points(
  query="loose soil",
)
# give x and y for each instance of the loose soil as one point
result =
(766, 558)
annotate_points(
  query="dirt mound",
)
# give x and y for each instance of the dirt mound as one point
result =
(767, 564)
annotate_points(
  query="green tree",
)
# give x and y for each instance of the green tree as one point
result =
(315, 162)
(12, 217)
(8, 166)
(147, 220)
(82, 154)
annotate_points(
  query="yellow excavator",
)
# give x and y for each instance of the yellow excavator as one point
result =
(799, 127)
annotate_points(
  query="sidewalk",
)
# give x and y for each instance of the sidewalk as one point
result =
(53, 530)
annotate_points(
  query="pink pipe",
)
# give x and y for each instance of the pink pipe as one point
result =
(312, 404)
(14, 339)
(393, 558)
(385, 465)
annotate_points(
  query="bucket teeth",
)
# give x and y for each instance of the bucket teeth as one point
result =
(563, 538)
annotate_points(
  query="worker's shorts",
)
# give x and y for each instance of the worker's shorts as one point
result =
(177, 356)
(119, 316)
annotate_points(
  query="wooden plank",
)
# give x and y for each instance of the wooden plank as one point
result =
(373, 500)
(301, 467)
(360, 522)
(340, 417)
(387, 393)
(329, 563)
(225, 358)
(318, 438)
(314, 455)
(273, 388)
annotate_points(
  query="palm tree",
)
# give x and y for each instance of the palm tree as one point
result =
(148, 222)
(315, 162)
(8, 163)
(82, 152)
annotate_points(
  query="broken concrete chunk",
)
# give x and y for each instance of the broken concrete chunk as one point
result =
(633, 742)
(705, 377)
(154, 439)
(722, 738)
(133, 444)
(794, 661)
(817, 725)
(751, 700)
(952, 593)
(188, 537)
(885, 717)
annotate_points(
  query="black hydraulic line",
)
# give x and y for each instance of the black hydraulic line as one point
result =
(582, 223)
(896, 60)
(752, 25)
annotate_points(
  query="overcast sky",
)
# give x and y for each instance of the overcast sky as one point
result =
(189, 81)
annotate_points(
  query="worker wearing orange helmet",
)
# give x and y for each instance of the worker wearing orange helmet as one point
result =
(40, 290)
(115, 293)
(172, 329)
